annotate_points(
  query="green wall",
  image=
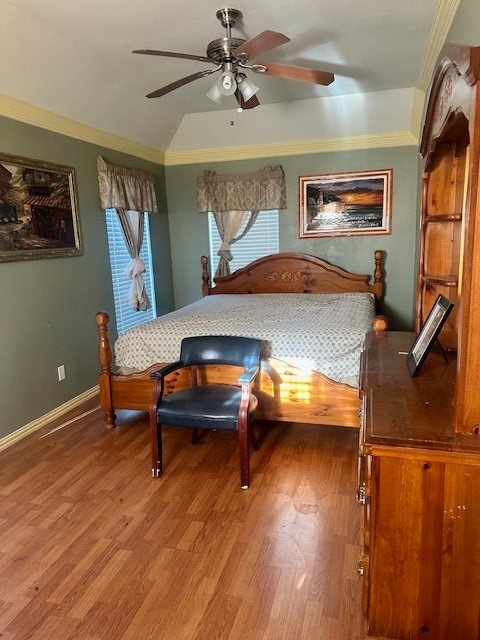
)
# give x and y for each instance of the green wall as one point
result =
(48, 306)
(189, 229)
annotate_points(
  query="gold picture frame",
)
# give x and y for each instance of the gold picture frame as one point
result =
(345, 204)
(38, 210)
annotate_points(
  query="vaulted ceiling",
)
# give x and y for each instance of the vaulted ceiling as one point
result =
(75, 59)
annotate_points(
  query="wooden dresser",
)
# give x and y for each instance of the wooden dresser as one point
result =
(419, 481)
(419, 471)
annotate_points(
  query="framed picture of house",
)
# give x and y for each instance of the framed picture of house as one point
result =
(345, 204)
(38, 210)
(428, 334)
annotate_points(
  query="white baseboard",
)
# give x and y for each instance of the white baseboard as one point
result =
(36, 424)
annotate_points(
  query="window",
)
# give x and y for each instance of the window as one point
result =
(119, 260)
(261, 240)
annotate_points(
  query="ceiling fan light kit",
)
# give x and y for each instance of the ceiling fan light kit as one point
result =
(246, 86)
(231, 56)
(229, 84)
(228, 81)
(215, 94)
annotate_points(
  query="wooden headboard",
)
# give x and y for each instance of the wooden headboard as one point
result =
(294, 273)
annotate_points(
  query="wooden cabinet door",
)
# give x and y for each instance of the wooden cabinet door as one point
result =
(460, 588)
(424, 567)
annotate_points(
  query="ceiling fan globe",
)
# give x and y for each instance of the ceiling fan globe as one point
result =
(215, 94)
(246, 86)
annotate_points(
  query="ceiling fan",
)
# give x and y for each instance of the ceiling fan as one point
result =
(231, 56)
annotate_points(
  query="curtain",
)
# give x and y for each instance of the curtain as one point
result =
(122, 188)
(228, 223)
(132, 224)
(262, 190)
(131, 192)
(231, 198)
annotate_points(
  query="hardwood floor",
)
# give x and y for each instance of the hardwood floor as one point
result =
(94, 548)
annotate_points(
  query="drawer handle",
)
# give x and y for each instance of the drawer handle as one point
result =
(362, 494)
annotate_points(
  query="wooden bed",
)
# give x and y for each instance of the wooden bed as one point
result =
(285, 393)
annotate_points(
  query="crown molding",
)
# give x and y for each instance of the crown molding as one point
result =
(36, 116)
(417, 112)
(442, 22)
(368, 141)
(29, 114)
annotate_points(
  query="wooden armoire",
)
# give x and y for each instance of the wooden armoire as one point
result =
(419, 470)
(450, 223)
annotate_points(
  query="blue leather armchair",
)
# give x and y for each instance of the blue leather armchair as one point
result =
(208, 406)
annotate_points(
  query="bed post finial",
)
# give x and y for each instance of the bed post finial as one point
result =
(205, 276)
(378, 275)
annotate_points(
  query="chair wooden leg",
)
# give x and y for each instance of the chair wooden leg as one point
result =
(159, 465)
(195, 436)
(156, 429)
(156, 440)
(252, 438)
(244, 446)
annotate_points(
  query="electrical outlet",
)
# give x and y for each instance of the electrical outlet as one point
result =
(61, 372)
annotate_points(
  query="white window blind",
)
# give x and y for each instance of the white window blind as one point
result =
(261, 240)
(119, 260)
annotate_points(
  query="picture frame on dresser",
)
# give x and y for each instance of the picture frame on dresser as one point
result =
(428, 334)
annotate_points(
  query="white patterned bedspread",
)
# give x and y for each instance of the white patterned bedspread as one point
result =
(324, 332)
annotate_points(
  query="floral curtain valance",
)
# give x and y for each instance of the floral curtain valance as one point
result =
(122, 188)
(262, 190)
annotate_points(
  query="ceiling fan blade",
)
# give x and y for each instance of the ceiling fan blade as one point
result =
(179, 83)
(260, 44)
(172, 54)
(251, 103)
(303, 74)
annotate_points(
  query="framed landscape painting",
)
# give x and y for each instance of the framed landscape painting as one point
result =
(345, 204)
(38, 210)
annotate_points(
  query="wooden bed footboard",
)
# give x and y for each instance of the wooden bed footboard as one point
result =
(118, 391)
(285, 393)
